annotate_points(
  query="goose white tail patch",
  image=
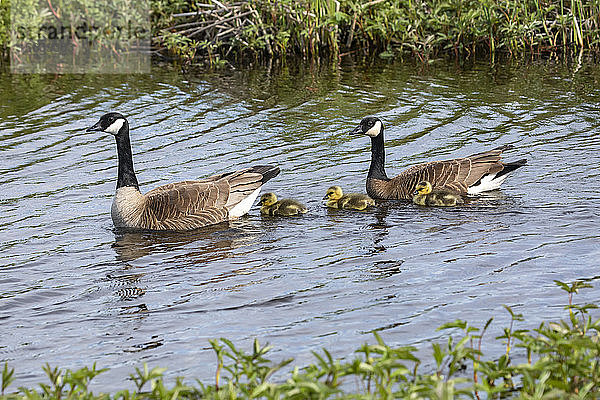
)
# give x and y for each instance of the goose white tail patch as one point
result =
(115, 126)
(488, 182)
(375, 130)
(244, 206)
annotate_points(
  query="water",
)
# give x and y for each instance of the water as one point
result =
(74, 291)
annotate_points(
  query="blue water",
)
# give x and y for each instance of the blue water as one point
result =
(74, 291)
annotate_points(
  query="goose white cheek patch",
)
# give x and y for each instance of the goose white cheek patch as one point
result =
(374, 131)
(115, 126)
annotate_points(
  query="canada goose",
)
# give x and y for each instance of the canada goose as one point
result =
(183, 205)
(425, 195)
(470, 175)
(282, 208)
(353, 201)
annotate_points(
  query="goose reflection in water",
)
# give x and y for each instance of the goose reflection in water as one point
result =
(181, 249)
(214, 243)
(380, 227)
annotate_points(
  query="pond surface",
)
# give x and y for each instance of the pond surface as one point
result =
(74, 291)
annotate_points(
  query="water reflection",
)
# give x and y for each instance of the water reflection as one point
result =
(130, 246)
(141, 259)
(386, 268)
(381, 227)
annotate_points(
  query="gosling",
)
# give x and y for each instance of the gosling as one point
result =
(425, 195)
(282, 208)
(354, 201)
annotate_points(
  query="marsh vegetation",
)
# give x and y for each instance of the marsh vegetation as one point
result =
(215, 32)
(388, 28)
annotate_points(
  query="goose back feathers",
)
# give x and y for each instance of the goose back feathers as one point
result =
(469, 175)
(183, 205)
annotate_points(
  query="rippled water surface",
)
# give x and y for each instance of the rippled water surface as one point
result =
(74, 291)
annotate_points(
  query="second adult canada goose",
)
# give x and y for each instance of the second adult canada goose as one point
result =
(353, 201)
(470, 175)
(281, 208)
(425, 195)
(183, 205)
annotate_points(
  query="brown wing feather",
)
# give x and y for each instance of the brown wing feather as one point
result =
(453, 175)
(194, 204)
(186, 205)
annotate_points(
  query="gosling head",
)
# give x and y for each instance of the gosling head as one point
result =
(423, 187)
(370, 126)
(334, 193)
(112, 123)
(267, 199)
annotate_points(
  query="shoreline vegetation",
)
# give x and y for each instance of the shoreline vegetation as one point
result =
(217, 32)
(424, 29)
(557, 360)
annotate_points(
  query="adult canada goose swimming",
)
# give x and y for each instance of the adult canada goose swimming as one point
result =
(183, 205)
(352, 201)
(425, 195)
(282, 208)
(470, 175)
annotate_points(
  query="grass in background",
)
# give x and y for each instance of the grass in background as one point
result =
(424, 29)
(213, 31)
(557, 360)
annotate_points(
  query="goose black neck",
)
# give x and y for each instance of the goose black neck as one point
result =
(126, 172)
(377, 169)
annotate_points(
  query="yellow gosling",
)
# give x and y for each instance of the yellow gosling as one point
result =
(269, 205)
(425, 195)
(353, 201)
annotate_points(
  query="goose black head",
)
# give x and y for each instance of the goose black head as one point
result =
(109, 123)
(370, 126)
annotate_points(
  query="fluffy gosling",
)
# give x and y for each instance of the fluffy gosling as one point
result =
(354, 201)
(282, 208)
(425, 195)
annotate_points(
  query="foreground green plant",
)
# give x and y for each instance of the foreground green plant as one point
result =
(558, 360)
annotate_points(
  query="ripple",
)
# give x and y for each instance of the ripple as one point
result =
(329, 278)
